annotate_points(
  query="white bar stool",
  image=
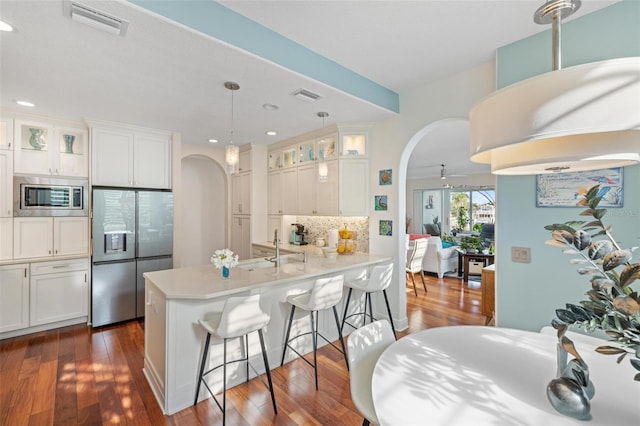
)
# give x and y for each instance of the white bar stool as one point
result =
(325, 294)
(240, 316)
(379, 280)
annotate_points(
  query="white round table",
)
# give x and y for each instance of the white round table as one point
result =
(473, 375)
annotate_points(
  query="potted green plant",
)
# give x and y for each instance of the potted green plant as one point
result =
(471, 244)
(613, 306)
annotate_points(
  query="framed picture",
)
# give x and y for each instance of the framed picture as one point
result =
(569, 189)
(380, 202)
(385, 177)
(386, 228)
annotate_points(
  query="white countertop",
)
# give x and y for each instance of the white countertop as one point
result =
(206, 282)
(472, 375)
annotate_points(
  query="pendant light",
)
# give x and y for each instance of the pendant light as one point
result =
(232, 152)
(443, 172)
(579, 118)
(323, 167)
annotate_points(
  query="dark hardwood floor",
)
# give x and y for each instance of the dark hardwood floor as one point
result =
(76, 375)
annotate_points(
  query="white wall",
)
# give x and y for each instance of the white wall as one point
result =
(391, 144)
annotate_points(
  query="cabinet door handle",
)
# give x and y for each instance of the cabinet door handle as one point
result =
(85, 278)
(25, 272)
(60, 266)
(49, 251)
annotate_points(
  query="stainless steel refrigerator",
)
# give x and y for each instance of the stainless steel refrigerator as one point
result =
(132, 233)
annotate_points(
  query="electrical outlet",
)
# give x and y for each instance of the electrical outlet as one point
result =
(521, 254)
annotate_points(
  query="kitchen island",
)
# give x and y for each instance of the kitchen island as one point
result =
(176, 299)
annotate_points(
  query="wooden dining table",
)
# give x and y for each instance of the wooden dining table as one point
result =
(475, 375)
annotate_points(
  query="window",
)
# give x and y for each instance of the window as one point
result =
(470, 209)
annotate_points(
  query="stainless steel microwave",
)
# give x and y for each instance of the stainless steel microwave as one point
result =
(38, 196)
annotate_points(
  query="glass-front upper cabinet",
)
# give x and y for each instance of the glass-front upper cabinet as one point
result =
(354, 144)
(33, 146)
(289, 156)
(44, 150)
(72, 147)
(274, 160)
(307, 152)
(326, 147)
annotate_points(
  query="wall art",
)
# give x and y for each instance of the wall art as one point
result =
(380, 202)
(386, 228)
(570, 189)
(385, 177)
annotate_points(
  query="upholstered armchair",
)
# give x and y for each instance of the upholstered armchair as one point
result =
(438, 259)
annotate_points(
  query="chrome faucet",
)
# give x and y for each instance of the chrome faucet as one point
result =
(276, 242)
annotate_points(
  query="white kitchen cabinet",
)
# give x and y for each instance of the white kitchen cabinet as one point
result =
(6, 238)
(35, 237)
(274, 192)
(241, 236)
(59, 291)
(152, 161)
(42, 149)
(326, 147)
(111, 157)
(308, 189)
(14, 297)
(290, 191)
(328, 203)
(354, 187)
(70, 236)
(307, 152)
(290, 156)
(241, 193)
(6, 183)
(6, 133)
(127, 157)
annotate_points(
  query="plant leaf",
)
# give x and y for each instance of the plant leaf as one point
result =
(563, 236)
(555, 243)
(609, 350)
(636, 363)
(588, 271)
(615, 259)
(578, 261)
(599, 249)
(599, 213)
(629, 274)
(594, 224)
(565, 315)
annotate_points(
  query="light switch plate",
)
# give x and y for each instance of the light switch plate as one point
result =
(521, 254)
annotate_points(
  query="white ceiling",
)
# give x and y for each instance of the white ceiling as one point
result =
(163, 75)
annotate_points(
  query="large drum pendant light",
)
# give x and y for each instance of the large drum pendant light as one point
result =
(580, 118)
(232, 152)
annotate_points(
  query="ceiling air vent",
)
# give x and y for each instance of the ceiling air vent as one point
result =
(305, 95)
(95, 18)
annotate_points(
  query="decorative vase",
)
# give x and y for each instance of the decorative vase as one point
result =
(68, 143)
(225, 272)
(571, 391)
(37, 140)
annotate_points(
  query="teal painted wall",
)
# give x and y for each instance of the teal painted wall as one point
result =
(528, 294)
(609, 33)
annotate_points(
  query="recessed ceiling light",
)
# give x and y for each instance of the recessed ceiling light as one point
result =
(270, 107)
(26, 103)
(5, 26)
(213, 140)
(271, 133)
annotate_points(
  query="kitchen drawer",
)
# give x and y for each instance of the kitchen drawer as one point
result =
(58, 266)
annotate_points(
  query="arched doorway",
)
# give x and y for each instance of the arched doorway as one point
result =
(203, 209)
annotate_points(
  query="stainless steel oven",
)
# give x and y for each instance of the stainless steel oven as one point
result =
(38, 196)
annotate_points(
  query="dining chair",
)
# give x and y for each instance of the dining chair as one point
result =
(378, 281)
(239, 317)
(325, 294)
(414, 262)
(364, 347)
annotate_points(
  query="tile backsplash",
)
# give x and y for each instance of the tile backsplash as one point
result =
(319, 226)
